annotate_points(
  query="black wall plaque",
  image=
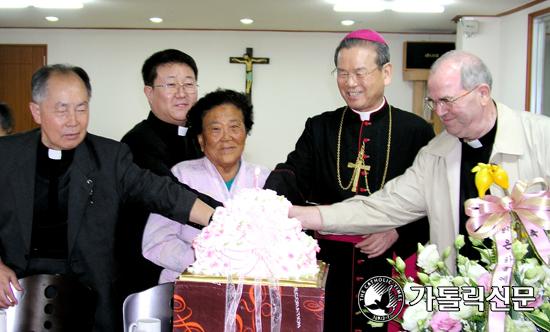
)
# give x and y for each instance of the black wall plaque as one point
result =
(421, 55)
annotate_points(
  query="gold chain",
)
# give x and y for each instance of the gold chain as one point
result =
(360, 156)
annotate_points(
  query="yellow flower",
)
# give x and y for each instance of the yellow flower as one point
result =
(483, 179)
(486, 174)
(500, 177)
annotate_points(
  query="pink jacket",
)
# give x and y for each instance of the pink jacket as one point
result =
(168, 243)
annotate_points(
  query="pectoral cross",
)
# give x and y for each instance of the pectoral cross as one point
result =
(358, 167)
(248, 60)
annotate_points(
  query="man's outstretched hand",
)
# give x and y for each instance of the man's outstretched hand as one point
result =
(8, 278)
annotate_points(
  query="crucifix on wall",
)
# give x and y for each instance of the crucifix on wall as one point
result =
(248, 60)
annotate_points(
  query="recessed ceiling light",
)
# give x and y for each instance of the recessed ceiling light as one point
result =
(56, 4)
(427, 6)
(377, 6)
(156, 19)
(410, 8)
(347, 22)
(71, 4)
(13, 4)
(52, 18)
(246, 21)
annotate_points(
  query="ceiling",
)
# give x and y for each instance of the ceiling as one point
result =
(276, 15)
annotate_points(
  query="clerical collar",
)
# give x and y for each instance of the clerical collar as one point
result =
(54, 154)
(476, 144)
(45, 161)
(487, 140)
(47, 154)
(182, 131)
(165, 129)
(365, 116)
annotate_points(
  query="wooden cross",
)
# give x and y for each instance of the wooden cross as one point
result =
(358, 167)
(248, 60)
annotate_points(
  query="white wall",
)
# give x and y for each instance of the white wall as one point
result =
(502, 44)
(486, 45)
(295, 85)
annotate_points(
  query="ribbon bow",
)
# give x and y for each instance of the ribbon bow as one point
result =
(493, 216)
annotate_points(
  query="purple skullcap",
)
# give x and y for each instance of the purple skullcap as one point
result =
(366, 35)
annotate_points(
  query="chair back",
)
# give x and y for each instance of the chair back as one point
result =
(155, 302)
(52, 302)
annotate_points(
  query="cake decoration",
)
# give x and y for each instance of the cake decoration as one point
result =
(252, 236)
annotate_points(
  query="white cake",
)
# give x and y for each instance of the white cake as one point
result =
(252, 236)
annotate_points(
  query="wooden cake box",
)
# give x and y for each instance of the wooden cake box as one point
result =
(199, 304)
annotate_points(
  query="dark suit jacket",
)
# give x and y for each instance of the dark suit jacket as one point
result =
(102, 177)
(156, 146)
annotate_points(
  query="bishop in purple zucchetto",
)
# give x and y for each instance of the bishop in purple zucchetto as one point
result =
(366, 35)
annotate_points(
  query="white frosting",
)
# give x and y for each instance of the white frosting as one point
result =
(253, 236)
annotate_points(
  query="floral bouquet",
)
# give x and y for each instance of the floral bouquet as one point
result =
(510, 290)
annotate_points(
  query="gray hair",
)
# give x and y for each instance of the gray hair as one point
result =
(6, 118)
(40, 79)
(473, 71)
(382, 50)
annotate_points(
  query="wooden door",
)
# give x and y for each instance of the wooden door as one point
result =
(17, 64)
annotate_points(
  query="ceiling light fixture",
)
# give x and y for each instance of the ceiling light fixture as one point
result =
(377, 6)
(413, 8)
(156, 19)
(397, 6)
(347, 22)
(247, 21)
(13, 4)
(52, 18)
(70, 4)
(56, 4)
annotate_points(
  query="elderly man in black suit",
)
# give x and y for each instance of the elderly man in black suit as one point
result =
(61, 189)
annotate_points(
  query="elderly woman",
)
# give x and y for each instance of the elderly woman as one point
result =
(222, 119)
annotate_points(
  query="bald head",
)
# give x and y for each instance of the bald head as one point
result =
(459, 87)
(473, 71)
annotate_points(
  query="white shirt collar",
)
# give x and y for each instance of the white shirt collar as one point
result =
(54, 154)
(182, 131)
(365, 116)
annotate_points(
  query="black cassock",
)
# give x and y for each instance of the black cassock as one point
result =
(157, 146)
(310, 174)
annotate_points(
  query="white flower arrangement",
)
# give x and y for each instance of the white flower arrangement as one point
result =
(510, 289)
(467, 317)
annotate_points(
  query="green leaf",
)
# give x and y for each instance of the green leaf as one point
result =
(484, 254)
(514, 314)
(538, 321)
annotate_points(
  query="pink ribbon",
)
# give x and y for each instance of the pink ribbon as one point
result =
(492, 216)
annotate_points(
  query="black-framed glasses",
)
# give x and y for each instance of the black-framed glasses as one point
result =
(445, 103)
(190, 88)
(357, 75)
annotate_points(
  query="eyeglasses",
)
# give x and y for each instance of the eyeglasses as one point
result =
(445, 103)
(190, 88)
(357, 75)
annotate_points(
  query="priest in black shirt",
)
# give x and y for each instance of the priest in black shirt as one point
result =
(158, 143)
(355, 150)
(161, 141)
(62, 189)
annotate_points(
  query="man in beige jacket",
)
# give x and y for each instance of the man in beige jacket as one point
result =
(440, 180)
